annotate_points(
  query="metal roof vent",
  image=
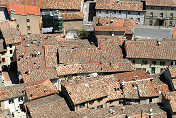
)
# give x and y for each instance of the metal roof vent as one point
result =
(158, 42)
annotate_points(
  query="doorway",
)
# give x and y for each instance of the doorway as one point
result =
(161, 22)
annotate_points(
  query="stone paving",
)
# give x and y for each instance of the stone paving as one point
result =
(147, 32)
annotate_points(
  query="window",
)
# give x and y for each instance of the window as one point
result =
(144, 69)
(161, 14)
(153, 71)
(10, 45)
(170, 23)
(101, 106)
(138, 19)
(100, 11)
(151, 14)
(91, 102)
(138, 68)
(171, 15)
(162, 63)
(115, 12)
(161, 70)
(128, 12)
(133, 61)
(120, 102)
(172, 63)
(28, 27)
(28, 20)
(82, 105)
(162, 8)
(106, 12)
(11, 51)
(3, 59)
(120, 12)
(151, 22)
(20, 99)
(153, 62)
(150, 100)
(11, 101)
(172, 8)
(100, 99)
(116, 89)
(139, 13)
(144, 62)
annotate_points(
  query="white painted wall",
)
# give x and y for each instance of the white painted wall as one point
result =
(13, 106)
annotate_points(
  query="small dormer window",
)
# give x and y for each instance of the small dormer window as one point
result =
(11, 101)
(10, 45)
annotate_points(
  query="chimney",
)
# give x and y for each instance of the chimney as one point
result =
(158, 42)
(135, 78)
(151, 114)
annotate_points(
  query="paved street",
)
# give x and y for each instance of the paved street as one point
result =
(153, 32)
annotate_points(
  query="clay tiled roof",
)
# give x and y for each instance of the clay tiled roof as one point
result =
(39, 89)
(11, 92)
(130, 92)
(114, 24)
(41, 74)
(10, 32)
(119, 5)
(31, 56)
(172, 70)
(5, 113)
(169, 3)
(47, 4)
(130, 76)
(82, 92)
(48, 107)
(149, 49)
(72, 15)
(171, 96)
(23, 9)
(146, 89)
(2, 46)
(132, 111)
(174, 34)
(91, 68)
(174, 83)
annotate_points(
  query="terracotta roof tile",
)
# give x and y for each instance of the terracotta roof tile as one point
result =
(72, 15)
(170, 3)
(23, 9)
(132, 111)
(119, 5)
(47, 4)
(146, 89)
(174, 34)
(13, 91)
(48, 107)
(114, 24)
(149, 49)
(38, 89)
(171, 96)
(83, 92)
(2, 46)
(10, 32)
(41, 74)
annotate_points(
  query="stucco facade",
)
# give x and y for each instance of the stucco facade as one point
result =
(152, 66)
(27, 24)
(8, 56)
(139, 16)
(160, 16)
(14, 104)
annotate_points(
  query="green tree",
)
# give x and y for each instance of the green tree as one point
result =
(84, 34)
